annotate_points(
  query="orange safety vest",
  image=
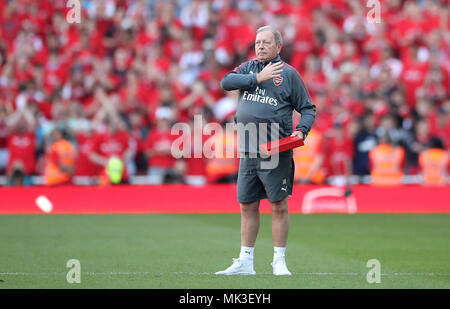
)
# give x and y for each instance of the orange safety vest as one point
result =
(66, 156)
(225, 160)
(386, 163)
(306, 156)
(434, 163)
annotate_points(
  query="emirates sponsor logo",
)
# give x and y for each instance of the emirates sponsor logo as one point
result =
(259, 96)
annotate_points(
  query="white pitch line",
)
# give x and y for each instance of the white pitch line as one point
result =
(125, 273)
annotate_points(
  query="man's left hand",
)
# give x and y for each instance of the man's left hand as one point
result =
(298, 133)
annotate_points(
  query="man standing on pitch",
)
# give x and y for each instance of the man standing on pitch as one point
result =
(269, 91)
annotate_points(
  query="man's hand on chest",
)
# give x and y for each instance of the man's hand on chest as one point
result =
(270, 71)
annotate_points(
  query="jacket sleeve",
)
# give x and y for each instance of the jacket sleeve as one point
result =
(302, 103)
(239, 79)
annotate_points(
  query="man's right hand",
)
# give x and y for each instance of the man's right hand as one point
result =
(270, 71)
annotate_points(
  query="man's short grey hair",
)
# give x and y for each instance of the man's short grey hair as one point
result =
(276, 33)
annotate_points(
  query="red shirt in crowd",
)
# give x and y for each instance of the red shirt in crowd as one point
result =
(156, 139)
(112, 145)
(83, 165)
(413, 76)
(339, 153)
(324, 121)
(22, 148)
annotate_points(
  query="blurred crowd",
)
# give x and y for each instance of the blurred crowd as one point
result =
(73, 96)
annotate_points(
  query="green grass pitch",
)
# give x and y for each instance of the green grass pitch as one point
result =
(184, 251)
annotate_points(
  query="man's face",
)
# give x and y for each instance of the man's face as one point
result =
(265, 46)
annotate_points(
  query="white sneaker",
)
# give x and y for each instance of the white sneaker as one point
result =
(280, 268)
(239, 267)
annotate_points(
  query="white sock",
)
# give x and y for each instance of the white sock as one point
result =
(246, 253)
(279, 253)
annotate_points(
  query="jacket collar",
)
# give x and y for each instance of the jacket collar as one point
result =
(276, 59)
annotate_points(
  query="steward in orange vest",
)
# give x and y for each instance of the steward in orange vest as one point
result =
(309, 159)
(224, 165)
(386, 162)
(433, 163)
(60, 160)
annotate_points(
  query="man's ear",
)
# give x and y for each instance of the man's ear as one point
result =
(279, 46)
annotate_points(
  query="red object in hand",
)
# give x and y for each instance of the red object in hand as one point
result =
(284, 144)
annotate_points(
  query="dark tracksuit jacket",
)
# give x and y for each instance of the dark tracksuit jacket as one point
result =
(272, 101)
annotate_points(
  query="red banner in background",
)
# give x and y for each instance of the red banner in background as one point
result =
(218, 199)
